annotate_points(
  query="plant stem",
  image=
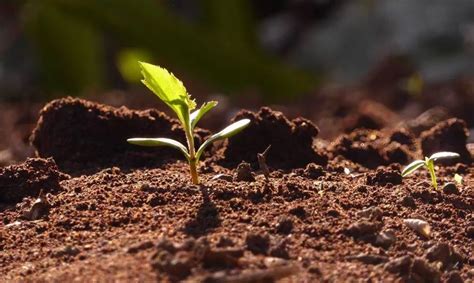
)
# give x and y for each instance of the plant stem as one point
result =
(193, 170)
(192, 156)
(431, 169)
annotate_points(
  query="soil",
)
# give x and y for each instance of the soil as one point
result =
(328, 211)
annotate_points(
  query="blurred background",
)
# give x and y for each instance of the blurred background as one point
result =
(343, 64)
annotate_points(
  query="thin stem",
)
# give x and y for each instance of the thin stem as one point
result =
(192, 155)
(193, 170)
(431, 169)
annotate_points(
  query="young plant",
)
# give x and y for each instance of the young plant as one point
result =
(173, 93)
(429, 164)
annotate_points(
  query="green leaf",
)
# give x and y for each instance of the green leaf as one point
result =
(169, 89)
(227, 132)
(160, 142)
(197, 115)
(443, 155)
(458, 179)
(412, 167)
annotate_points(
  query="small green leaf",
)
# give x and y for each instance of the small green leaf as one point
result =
(160, 142)
(225, 133)
(458, 179)
(169, 89)
(412, 167)
(443, 155)
(197, 115)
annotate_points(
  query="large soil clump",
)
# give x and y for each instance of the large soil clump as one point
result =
(291, 141)
(83, 135)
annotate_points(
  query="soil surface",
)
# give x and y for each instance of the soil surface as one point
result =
(92, 208)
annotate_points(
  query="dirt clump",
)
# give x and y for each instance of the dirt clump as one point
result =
(80, 135)
(291, 141)
(449, 135)
(28, 179)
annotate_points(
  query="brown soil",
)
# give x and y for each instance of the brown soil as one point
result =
(312, 220)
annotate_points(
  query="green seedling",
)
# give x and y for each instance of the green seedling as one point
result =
(173, 93)
(429, 164)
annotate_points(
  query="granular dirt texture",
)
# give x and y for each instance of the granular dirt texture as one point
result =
(83, 135)
(102, 227)
(449, 135)
(28, 179)
(291, 141)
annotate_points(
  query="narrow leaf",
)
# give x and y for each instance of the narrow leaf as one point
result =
(412, 167)
(169, 89)
(197, 115)
(443, 154)
(225, 133)
(160, 142)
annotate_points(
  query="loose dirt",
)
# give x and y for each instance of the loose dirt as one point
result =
(337, 213)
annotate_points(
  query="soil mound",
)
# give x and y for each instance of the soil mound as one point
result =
(81, 135)
(449, 135)
(371, 148)
(28, 178)
(291, 141)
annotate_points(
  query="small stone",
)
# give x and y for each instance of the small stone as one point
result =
(444, 253)
(385, 239)
(244, 173)
(450, 188)
(363, 228)
(420, 226)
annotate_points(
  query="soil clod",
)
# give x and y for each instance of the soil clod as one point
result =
(28, 179)
(244, 173)
(449, 135)
(292, 141)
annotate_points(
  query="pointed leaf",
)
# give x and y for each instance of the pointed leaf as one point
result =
(412, 167)
(197, 115)
(160, 142)
(225, 133)
(169, 89)
(443, 154)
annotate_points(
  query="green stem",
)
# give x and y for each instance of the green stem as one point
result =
(192, 156)
(431, 169)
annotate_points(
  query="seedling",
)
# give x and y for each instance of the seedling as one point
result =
(429, 164)
(173, 93)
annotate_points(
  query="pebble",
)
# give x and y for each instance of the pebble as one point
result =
(363, 228)
(444, 253)
(420, 226)
(386, 238)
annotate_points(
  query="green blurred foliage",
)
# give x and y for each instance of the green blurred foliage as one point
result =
(69, 50)
(219, 49)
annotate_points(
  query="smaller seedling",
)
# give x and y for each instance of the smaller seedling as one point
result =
(429, 164)
(172, 92)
